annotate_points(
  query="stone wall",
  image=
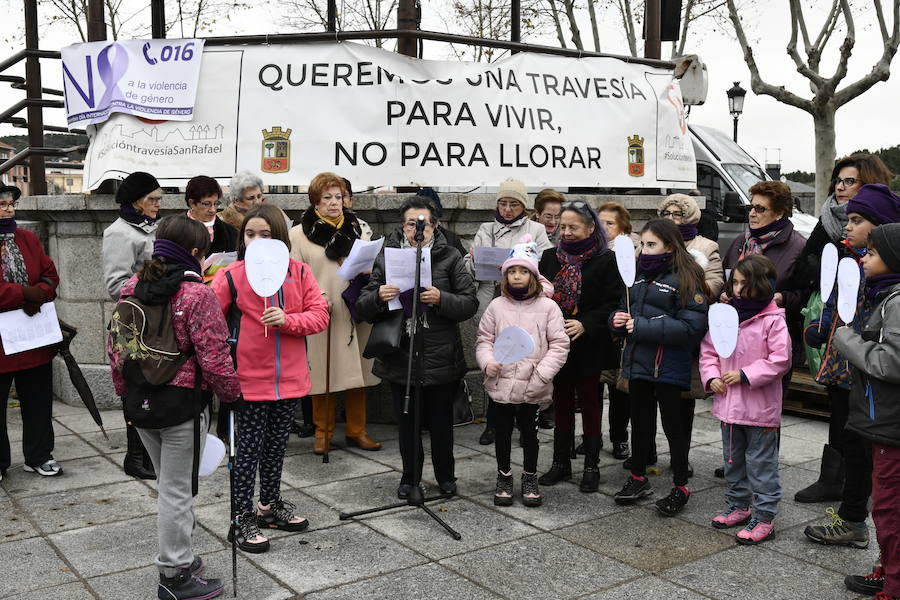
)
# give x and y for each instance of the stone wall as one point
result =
(72, 228)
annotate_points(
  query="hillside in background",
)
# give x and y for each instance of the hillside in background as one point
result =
(51, 140)
(890, 156)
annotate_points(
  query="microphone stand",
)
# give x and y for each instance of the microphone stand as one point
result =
(416, 353)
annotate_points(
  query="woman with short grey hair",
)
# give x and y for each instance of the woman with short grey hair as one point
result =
(244, 191)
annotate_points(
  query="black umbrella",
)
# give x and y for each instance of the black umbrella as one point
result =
(75, 374)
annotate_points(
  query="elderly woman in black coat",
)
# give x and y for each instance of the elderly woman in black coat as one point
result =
(448, 301)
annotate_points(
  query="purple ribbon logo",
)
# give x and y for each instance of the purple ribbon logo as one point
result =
(112, 71)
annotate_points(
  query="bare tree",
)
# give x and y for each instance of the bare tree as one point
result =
(490, 19)
(826, 97)
(352, 14)
(196, 17)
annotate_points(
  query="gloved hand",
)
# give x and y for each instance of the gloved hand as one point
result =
(33, 295)
(31, 308)
(237, 405)
(815, 335)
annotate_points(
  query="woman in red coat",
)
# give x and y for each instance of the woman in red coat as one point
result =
(27, 279)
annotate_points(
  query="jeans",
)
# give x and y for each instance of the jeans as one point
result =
(751, 469)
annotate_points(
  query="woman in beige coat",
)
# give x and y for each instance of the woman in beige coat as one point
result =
(682, 210)
(323, 240)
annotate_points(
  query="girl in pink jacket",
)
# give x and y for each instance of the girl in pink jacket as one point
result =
(272, 368)
(748, 398)
(522, 389)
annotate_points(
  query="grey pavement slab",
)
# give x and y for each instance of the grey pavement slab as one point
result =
(253, 583)
(646, 588)
(82, 422)
(81, 472)
(840, 559)
(213, 488)
(540, 566)
(22, 560)
(812, 431)
(14, 524)
(359, 493)
(66, 448)
(83, 507)
(479, 526)
(67, 591)
(389, 455)
(334, 556)
(646, 540)
(427, 581)
(706, 504)
(756, 573)
(119, 546)
(304, 470)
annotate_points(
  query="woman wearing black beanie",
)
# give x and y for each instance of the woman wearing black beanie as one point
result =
(127, 243)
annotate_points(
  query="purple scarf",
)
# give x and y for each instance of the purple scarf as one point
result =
(518, 293)
(127, 212)
(879, 284)
(8, 225)
(688, 232)
(757, 240)
(503, 221)
(749, 307)
(176, 255)
(651, 265)
(567, 283)
(406, 300)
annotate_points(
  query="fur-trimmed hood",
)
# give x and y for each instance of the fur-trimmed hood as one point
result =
(337, 242)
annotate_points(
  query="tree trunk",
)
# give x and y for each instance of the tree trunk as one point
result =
(823, 125)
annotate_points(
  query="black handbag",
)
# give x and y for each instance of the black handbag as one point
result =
(386, 335)
(462, 405)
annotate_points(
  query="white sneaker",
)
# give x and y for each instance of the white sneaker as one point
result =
(50, 468)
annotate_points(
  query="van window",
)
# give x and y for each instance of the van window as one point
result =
(711, 185)
(744, 175)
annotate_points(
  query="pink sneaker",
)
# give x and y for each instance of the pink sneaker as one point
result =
(755, 532)
(732, 517)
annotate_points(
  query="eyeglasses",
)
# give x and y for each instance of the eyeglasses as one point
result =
(12, 205)
(153, 199)
(677, 214)
(208, 204)
(846, 181)
(253, 198)
(508, 204)
(410, 225)
(549, 217)
(759, 208)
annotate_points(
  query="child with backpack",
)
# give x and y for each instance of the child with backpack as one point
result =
(666, 322)
(874, 354)
(270, 354)
(748, 399)
(522, 389)
(167, 296)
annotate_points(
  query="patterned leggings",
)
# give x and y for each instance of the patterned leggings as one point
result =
(262, 434)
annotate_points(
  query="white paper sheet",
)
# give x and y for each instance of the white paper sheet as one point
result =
(219, 259)
(488, 261)
(19, 332)
(362, 257)
(400, 270)
(724, 324)
(512, 345)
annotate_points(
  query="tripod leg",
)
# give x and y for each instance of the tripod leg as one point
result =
(455, 534)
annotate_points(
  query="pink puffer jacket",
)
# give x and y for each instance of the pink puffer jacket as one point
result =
(763, 353)
(529, 380)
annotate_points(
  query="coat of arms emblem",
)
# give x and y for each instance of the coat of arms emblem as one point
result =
(636, 156)
(276, 150)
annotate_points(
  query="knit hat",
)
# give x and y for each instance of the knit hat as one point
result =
(523, 254)
(10, 189)
(429, 194)
(515, 189)
(876, 203)
(886, 239)
(136, 186)
(689, 209)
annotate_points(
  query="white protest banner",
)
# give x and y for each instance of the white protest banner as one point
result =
(155, 79)
(288, 112)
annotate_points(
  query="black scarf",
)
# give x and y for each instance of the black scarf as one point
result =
(162, 290)
(337, 242)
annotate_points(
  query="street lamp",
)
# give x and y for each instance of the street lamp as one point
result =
(736, 103)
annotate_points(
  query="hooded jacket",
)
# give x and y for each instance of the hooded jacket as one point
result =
(763, 354)
(875, 377)
(125, 248)
(272, 365)
(444, 361)
(529, 380)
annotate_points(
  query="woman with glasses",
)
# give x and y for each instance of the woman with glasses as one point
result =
(510, 224)
(547, 207)
(28, 279)
(587, 287)
(203, 197)
(682, 210)
(127, 243)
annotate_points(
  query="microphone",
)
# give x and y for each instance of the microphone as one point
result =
(420, 228)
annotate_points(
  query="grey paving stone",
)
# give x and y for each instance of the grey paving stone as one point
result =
(66, 448)
(359, 493)
(252, 582)
(644, 539)
(794, 479)
(646, 588)
(61, 408)
(479, 526)
(67, 591)
(563, 505)
(81, 472)
(14, 524)
(840, 559)
(113, 547)
(706, 504)
(303, 470)
(541, 566)
(213, 488)
(795, 451)
(335, 556)
(813, 465)
(23, 559)
(82, 422)
(389, 455)
(428, 581)
(116, 442)
(475, 474)
(813, 431)
(706, 429)
(83, 507)
(755, 573)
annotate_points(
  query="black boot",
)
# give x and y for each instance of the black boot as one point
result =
(831, 479)
(137, 461)
(562, 464)
(590, 479)
(186, 586)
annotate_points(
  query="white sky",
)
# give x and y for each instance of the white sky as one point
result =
(767, 128)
